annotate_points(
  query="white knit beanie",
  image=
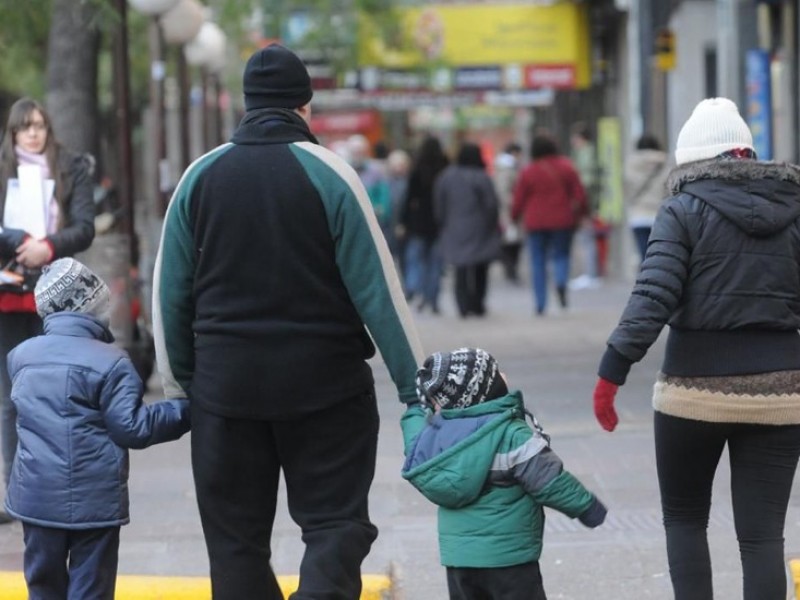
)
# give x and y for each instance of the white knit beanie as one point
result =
(714, 127)
(68, 285)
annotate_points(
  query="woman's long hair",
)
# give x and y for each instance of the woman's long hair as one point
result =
(544, 145)
(19, 117)
(470, 156)
(429, 161)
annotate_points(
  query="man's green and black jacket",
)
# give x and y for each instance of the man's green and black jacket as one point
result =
(273, 279)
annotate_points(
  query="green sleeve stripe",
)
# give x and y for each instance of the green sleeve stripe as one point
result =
(173, 279)
(365, 263)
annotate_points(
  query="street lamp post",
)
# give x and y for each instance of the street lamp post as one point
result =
(207, 51)
(154, 9)
(123, 120)
(180, 25)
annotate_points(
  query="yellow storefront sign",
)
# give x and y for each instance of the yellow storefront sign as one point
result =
(477, 35)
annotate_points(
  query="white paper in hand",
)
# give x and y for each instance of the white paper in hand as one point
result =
(27, 200)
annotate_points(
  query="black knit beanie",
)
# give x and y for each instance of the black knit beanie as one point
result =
(459, 379)
(275, 77)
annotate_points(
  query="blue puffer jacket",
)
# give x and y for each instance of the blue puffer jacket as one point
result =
(79, 408)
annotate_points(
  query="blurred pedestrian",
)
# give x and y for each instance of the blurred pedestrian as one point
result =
(398, 167)
(466, 212)
(722, 270)
(44, 186)
(423, 257)
(380, 154)
(551, 201)
(373, 176)
(271, 283)
(507, 166)
(79, 406)
(470, 450)
(646, 171)
(584, 157)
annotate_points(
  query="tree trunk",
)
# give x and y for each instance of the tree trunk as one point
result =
(73, 46)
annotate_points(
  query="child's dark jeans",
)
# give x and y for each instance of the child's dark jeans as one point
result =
(520, 582)
(70, 564)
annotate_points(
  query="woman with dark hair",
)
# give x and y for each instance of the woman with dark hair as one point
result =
(423, 264)
(551, 202)
(66, 227)
(466, 210)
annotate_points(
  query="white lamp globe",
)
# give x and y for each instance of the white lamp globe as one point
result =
(207, 48)
(182, 22)
(153, 7)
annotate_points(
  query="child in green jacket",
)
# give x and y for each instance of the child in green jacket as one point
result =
(470, 450)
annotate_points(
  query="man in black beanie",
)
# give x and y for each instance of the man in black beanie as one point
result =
(272, 281)
(275, 77)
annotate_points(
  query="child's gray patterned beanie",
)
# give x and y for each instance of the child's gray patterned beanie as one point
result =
(68, 285)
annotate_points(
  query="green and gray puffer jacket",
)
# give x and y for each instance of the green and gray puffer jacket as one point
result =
(491, 474)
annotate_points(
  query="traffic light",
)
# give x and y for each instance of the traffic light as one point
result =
(665, 50)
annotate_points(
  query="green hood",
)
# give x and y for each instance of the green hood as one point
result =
(450, 461)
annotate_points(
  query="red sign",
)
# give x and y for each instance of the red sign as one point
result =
(550, 76)
(344, 122)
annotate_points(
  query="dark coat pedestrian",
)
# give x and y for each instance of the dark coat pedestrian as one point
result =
(466, 210)
(273, 286)
(423, 264)
(721, 270)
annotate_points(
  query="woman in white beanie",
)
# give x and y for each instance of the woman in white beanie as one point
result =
(721, 269)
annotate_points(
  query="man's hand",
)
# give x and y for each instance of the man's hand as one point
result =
(604, 394)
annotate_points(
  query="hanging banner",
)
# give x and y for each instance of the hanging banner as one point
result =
(548, 44)
(759, 101)
(609, 157)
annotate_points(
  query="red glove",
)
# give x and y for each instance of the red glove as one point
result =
(604, 393)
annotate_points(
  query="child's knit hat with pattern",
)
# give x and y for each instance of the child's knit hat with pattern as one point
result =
(459, 379)
(68, 285)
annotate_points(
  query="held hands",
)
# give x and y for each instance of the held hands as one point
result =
(604, 393)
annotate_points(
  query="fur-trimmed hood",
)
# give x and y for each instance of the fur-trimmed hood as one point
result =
(760, 197)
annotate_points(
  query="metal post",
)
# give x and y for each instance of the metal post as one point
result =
(217, 83)
(123, 119)
(646, 40)
(157, 74)
(183, 107)
(206, 129)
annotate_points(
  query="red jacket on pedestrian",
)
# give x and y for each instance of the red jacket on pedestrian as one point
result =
(549, 195)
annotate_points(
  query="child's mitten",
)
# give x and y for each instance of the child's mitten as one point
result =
(594, 515)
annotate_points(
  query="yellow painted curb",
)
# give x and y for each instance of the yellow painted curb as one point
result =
(794, 577)
(146, 587)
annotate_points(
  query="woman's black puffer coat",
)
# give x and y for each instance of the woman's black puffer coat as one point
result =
(723, 270)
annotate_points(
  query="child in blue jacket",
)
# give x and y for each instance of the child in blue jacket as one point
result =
(79, 408)
(470, 450)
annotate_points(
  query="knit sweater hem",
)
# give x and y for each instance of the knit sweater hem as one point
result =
(724, 399)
